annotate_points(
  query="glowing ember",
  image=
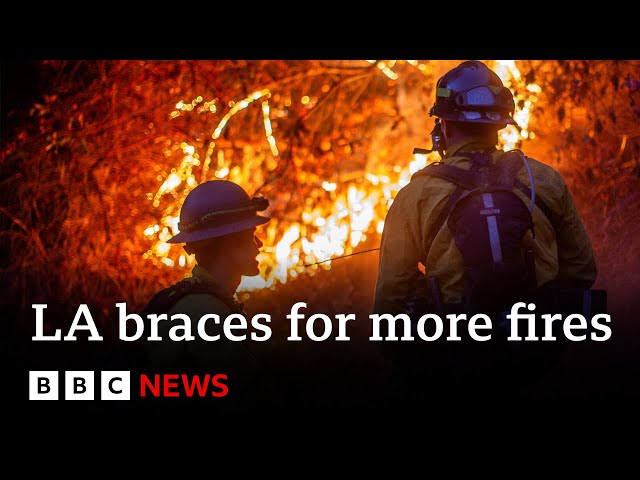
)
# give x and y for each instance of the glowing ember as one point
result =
(349, 213)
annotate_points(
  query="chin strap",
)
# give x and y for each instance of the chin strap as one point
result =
(424, 151)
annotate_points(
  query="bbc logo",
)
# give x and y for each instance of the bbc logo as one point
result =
(79, 385)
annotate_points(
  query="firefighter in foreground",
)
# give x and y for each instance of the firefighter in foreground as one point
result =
(490, 228)
(217, 224)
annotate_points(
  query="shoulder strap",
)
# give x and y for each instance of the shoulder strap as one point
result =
(463, 179)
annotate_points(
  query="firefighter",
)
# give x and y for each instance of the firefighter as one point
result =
(471, 106)
(217, 224)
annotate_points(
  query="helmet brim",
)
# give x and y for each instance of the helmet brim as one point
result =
(458, 116)
(219, 231)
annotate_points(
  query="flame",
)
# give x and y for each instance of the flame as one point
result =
(523, 94)
(350, 212)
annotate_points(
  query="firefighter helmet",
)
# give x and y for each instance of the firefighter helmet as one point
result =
(472, 92)
(216, 208)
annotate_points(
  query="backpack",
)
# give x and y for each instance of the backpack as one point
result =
(488, 222)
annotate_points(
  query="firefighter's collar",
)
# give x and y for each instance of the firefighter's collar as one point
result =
(200, 274)
(468, 145)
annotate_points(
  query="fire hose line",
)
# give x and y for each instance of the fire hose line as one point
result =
(342, 256)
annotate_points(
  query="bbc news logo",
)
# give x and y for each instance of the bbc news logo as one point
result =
(116, 385)
(79, 385)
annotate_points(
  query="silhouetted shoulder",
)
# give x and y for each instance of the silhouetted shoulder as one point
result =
(198, 304)
(544, 169)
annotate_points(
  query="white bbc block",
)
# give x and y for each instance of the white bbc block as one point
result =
(115, 385)
(43, 385)
(78, 385)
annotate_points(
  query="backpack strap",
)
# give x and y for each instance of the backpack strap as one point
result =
(467, 179)
(162, 301)
(464, 180)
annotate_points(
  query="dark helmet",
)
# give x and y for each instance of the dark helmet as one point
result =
(216, 208)
(472, 92)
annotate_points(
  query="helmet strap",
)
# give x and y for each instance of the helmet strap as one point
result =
(438, 141)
